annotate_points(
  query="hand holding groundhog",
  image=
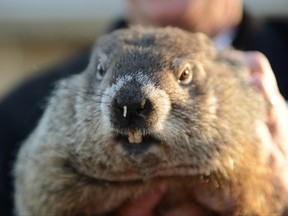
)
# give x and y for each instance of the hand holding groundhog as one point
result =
(155, 108)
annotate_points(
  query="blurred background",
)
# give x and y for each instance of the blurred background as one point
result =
(35, 34)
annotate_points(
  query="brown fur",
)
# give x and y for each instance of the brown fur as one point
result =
(204, 149)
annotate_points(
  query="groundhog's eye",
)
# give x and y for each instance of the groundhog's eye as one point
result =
(185, 76)
(100, 71)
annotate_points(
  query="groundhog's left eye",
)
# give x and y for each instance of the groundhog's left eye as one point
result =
(185, 76)
(100, 71)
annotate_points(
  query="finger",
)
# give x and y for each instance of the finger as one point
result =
(277, 159)
(278, 113)
(248, 59)
(259, 66)
(274, 135)
(266, 82)
(266, 140)
(143, 205)
(191, 210)
(261, 70)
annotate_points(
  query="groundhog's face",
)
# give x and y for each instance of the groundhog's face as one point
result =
(151, 109)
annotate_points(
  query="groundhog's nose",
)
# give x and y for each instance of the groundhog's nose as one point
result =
(132, 108)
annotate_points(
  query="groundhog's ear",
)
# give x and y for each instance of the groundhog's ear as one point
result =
(205, 45)
(97, 57)
(102, 48)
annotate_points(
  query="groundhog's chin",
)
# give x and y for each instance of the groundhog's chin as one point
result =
(139, 159)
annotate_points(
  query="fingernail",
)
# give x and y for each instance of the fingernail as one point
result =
(250, 59)
(256, 81)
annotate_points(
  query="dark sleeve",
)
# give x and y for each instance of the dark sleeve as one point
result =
(19, 113)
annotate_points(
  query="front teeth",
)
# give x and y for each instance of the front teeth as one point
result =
(134, 136)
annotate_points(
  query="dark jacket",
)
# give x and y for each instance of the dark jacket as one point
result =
(21, 110)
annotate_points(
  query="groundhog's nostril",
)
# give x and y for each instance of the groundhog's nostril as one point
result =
(145, 107)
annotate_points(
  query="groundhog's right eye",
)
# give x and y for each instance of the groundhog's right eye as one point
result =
(186, 75)
(100, 72)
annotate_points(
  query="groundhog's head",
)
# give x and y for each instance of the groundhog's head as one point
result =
(161, 103)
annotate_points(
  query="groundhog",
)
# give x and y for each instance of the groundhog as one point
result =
(156, 107)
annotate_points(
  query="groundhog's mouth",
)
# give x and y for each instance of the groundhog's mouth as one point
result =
(136, 145)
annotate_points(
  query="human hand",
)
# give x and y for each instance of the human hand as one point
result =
(274, 132)
(142, 206)
(146, 204)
